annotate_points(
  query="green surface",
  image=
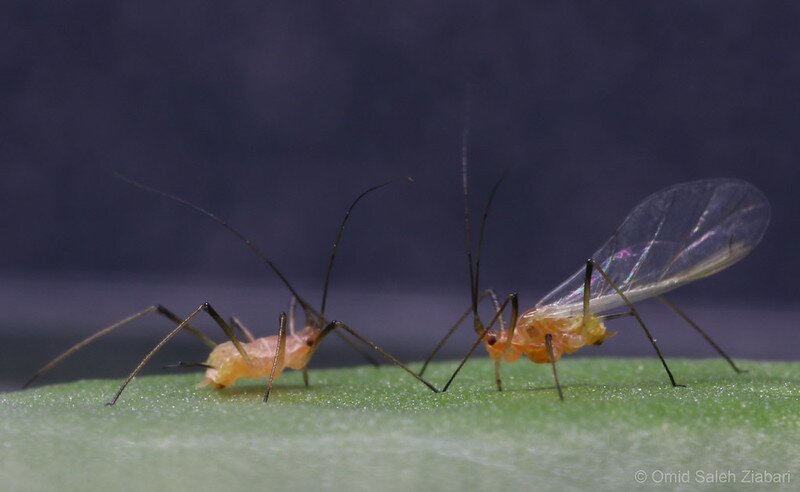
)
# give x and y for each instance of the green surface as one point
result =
(378, 429)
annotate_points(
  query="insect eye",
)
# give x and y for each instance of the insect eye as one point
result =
(491, 339)
(309, 341)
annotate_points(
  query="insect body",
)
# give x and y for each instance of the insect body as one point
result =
(679, 235)
(269, 356)
(257, 357)
(226, 364)
(568, 334)
(676, 236)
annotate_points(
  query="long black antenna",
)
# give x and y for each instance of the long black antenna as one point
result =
(339, 237)
(227, 226)
(465, 190)
(483, 227)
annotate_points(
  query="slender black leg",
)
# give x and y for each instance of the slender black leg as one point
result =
(187, 365)
(609, 317)
(587, 289)
(235, 323)
(452, 330)
(497, 379)
(355, 348)
(638, 318)
(699, 330)
(512, 325)
(444, 339)
(291, 323)
(292, 311)
(205, 307)
(155, 309)
(279, 356)
(310, 313)
(339, 325)
(479, 340)
(548, 340)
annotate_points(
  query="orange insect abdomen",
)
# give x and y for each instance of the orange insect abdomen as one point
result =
(228, 365)
(568, 335)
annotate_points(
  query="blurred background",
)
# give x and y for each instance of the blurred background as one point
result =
(275, 116)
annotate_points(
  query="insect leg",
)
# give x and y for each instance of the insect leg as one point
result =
(587, 289)
(591, 263)
(548, 341)
(338, 324)
(512, 298)
(444, 339)
(609, 317)
(453, 328)
(182, 364)
(587, 294)
(355, 348)
(496, 303)
(498, 380)
(699, 330)
(279, 356)
(205, 307)
(234, 321)
(509, 334)
(292, 312)
(157, 309)
(371, 360)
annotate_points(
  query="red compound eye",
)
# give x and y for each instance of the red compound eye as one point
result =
(491, 339)
(309, 342)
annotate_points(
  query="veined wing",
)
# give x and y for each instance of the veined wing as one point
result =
(676, 236)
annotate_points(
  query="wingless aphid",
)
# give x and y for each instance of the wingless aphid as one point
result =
(257, 357)
(678, 235)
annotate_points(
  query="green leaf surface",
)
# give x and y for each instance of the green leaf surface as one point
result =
(378, 429)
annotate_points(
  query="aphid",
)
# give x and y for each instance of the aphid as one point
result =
(678, 235)
(257, 357)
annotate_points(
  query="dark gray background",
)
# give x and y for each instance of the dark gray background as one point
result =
(275, 115)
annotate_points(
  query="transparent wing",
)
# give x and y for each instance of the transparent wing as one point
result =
(676, 236)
